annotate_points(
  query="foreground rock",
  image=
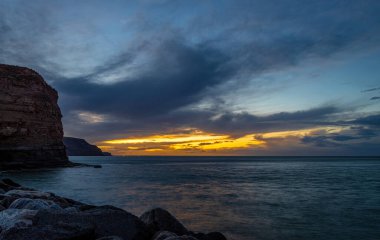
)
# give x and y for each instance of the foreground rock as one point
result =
(30, 121)
(165, 235)
(161, 220)
(29, 214)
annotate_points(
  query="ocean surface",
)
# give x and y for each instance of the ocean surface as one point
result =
(246, 198)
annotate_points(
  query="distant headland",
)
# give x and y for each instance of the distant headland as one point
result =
(80, 147)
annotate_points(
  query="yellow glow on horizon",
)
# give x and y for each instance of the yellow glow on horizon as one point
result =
(167, 139)
(154, 150)
(230, 143)
(197, 142)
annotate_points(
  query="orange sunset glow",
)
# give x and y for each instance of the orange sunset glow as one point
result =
(198, 142)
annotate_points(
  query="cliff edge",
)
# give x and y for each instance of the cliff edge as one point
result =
(31, 134)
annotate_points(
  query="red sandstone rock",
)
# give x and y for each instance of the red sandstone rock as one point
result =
(31, 134)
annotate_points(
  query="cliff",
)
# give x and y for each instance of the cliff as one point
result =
(31, 134)
(80, 147)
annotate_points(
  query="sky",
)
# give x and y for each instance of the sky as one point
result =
(255, 77)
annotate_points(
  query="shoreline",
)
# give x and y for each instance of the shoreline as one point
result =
(26, 213)
(68, 165)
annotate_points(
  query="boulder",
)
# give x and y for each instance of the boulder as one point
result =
(16, 218)
(184, 237)
(31, 134)
(159, 219)
(113, 221)
(2, 207)
(7, 184)
(6, 201)
(34, 204)
(28, 194)
(107, 221)
(208, 236)
(165, 235)
(10, 182)
(162, 235)
(56, 231)
(110, 238)
(215, 236)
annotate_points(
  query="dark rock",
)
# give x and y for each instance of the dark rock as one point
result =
(215, 236)
(66, 202)
(162, 235)
(110, 238)
(165, 235)
(113, 221)
(208, 236)
(56, 231)
(80, 147)
(34, 204)
(159, 219)
(10, 182)
(30, 121)
(10, 196)
(107, 221)
(6, 201)
(16, 218)
(184, 237)
(19, 193)
(6, 187)
(199, 236)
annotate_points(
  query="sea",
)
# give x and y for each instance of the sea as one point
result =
(246, 198)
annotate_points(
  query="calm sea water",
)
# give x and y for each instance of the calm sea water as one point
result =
(246, 198)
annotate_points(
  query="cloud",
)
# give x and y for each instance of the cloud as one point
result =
(243, 123)
(375, 98)
(371, 89)
(370, 120)
(177, 76)
(209, 120)
(341, 139)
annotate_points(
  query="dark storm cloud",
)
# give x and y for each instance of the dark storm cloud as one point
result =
(244, 123)
(371, 120)
(342, 139)
(371, 89)
(164, 86)
(375, 98)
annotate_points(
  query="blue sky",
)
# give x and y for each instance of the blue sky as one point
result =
(138, 69)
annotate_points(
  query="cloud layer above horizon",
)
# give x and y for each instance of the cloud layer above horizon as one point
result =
(207, 77)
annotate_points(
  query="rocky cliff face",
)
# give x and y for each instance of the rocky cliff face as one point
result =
(80, 147)
(30, 121)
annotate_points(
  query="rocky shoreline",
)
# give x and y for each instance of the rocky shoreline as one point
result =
(29, 214)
